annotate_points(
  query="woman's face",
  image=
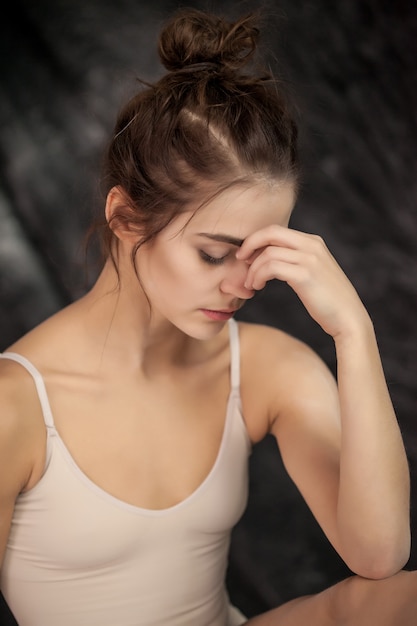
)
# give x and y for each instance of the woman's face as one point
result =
(190, 273)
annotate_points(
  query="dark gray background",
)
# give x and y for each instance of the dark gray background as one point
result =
(66, 67)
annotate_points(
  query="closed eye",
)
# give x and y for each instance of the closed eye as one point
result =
(212, 260)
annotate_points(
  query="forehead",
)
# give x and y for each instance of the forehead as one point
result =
(239, 211)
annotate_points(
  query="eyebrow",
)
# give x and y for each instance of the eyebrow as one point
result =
(223, 238)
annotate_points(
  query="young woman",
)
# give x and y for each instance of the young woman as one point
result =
(127, 418)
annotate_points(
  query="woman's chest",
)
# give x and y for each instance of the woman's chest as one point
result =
(150, 445)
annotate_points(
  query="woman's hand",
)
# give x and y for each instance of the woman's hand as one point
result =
(305, 263)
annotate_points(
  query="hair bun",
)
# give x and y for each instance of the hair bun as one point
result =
(192, 37)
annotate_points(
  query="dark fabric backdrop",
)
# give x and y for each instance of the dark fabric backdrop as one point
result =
(67, 65)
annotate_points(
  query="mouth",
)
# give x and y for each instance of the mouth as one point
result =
(219, 315)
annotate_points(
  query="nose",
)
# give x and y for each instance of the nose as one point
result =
(233, 282)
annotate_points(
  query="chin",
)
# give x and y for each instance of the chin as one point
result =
(202, 331)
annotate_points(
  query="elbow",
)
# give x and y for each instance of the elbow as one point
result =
(377, 570)
(380, 566)
(382, 563)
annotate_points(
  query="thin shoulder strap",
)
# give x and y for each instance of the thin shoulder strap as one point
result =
(40, 385)
(234, 353)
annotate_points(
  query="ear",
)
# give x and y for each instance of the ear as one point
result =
(118, 215)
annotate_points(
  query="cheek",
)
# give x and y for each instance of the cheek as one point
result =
(169, 270)
(172, 269)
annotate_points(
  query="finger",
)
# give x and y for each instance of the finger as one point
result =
(292, 274)
(272, 263)
(273, 235)
(259, 240)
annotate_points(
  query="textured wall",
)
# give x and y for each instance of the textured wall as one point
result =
(65, 68)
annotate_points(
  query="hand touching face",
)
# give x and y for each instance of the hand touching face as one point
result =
(304, 262)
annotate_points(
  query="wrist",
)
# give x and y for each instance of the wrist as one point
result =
(358, 329)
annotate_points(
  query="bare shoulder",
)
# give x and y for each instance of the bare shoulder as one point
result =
(285, 375)
(22, 431)
(20, 441)
(271, 350)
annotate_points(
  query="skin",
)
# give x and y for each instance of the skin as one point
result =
(105, 357)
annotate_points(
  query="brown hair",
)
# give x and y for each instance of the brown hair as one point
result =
(204, 126)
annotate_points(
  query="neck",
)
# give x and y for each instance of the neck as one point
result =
(125, 333)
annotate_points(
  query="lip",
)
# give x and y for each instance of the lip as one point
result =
(219, 316)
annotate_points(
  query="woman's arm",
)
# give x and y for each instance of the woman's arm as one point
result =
(341, 444)
(20, 437)
(374, 472)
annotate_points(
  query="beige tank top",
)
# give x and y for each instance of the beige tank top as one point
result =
(77, 556)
